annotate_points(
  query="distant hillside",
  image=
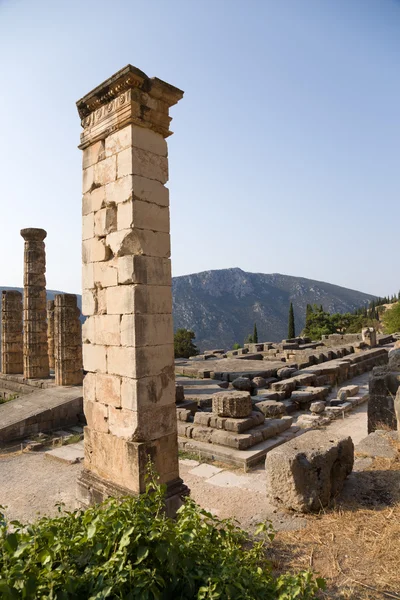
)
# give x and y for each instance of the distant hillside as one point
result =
(222, 306)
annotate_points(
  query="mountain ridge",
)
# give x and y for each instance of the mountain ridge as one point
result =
(222, 305)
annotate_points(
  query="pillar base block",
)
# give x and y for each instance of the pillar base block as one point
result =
(92, 489)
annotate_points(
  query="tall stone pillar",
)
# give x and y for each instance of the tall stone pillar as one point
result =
(50, 332)
(128, 353)
(36, 359)
(67, 341)
(11, 332)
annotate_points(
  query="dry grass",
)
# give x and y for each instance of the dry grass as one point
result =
(356, 545)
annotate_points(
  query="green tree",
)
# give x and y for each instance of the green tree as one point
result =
(183, 343)
(255, 334)
(391, 319)
(236, 346)
(291, 327)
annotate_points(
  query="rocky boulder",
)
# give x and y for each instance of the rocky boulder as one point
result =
(317, 407)
(307, 472)
(242, 384)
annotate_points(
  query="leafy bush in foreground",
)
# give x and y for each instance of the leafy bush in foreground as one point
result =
(130, 549)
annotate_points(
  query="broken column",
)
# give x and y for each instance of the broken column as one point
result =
(67, 341)
(36, 359)
(128, 353)
(50, 332)
(11, 338)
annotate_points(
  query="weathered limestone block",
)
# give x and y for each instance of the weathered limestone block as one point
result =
(242, 384)
(383, 385)
(50, 332)
(317, 407)
(259, 382)
(67, 341)
(285, 372)
(306, 473)
(232, 404)
(271, 408)
(11, 338)
(35, 347)
(128, 335)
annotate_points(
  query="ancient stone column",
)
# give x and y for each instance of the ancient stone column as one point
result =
(11, 332)
(67, 341)
(50, 332)
(36, 359)
(128, 353)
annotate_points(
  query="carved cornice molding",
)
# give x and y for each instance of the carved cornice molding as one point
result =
(127, 97)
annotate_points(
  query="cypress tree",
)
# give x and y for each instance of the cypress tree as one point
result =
(291, 328)
(255, 334)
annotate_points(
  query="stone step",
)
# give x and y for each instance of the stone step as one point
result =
(239, 441)
(245, 459)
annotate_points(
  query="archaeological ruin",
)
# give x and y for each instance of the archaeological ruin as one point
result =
(41, 352)
(117, 374)
(128, 354)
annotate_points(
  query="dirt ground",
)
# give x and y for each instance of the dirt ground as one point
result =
(355, 545)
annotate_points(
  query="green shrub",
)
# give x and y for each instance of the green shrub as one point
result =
(184, 346)
(391, 319)
(130, 549)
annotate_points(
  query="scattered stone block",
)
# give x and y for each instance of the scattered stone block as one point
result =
(271, 408)
(183, 414)
(307, 472)
(285, 372)
(259, 382)
(232, 404)
(242, 384)
(317, 407)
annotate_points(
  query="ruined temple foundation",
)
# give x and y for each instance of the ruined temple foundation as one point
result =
(35, 349)
(128, 353)
(50, 332)
(11, 339)
(67, 341)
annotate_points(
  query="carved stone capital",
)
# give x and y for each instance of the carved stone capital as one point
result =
(128, 97)
(33, 234)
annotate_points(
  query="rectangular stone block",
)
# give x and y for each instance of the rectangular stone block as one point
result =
(115, 142)
(94, 250)
(119, 190)
(89, 302)
(105, 221)
(88, 226)
(108, 389)
(144, 215)
(136, 161)
(139, 299)
(107, 330)
(88, 275)
(139, 241)
(105, 171)
(125, 463)
(92, 154)
(105, 274)
(139, 362)
(150, 190)
(96, 415)
(94, 200)
(148, 391)
(94, 358)
(150, 270)
(146, 330)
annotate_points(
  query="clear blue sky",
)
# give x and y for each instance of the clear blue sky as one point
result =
(286, 147)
